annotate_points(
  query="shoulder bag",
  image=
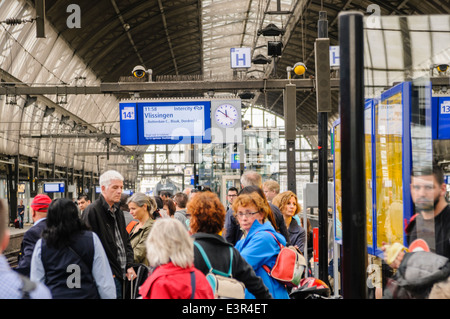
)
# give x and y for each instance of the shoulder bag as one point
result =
(289, 265)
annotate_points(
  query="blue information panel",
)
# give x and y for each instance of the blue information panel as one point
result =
(235, 161)
(443, 131)
(165, 122)
(128, 124)
(54, 187)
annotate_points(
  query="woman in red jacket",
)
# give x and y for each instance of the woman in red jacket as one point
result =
(170, 249)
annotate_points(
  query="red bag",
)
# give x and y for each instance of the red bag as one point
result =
(289, 266)
(131, 225)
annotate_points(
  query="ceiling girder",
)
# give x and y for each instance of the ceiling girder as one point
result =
(179, 86)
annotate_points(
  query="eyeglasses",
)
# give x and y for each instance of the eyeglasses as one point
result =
(232, 195)
(240, 215)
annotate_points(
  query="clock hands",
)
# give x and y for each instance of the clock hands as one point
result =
(224, 113)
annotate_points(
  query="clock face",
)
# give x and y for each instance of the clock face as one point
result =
(226, 115)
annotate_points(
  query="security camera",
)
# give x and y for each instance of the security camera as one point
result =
(139, 71)
(442, 68)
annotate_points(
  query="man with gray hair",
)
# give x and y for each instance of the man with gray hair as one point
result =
(251, 178)
(232, 231)
(108, 222)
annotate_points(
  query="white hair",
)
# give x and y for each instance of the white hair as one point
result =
(167, 241)
(251, 178)
(107, 177)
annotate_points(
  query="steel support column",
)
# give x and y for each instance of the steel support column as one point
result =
(12, 184)
(323, 98)
(290, 120)
(354, 240)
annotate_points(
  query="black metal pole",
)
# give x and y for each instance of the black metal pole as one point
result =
(354, 240)
(290, 120)
(322, 123)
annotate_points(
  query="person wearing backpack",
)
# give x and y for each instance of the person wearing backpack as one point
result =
(207, 221)
(170, 253)
(258, 245)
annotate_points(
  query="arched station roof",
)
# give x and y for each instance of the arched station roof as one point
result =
(179, 39)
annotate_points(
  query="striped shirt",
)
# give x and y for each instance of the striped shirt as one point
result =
(11, 284)
(121, 253)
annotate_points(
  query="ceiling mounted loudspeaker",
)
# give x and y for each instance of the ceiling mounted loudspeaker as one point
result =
(271, 30)
(48, 111)
(247, 95)
(30, 100)
(274, 48)
(261, 59)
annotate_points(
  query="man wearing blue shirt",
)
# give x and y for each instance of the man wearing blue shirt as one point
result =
(12, 284)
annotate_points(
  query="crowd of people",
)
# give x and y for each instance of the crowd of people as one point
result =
(96, 249)
(84, 249)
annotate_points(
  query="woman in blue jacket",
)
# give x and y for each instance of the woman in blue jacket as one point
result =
(258, 246)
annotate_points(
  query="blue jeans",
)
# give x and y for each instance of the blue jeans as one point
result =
(118, 284)
(20, 220)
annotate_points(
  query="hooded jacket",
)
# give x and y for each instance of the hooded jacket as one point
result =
(259, 248)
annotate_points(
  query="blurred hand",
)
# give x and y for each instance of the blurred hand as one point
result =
(131, 274)
(389, 255)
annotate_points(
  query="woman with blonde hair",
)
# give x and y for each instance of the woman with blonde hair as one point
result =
(206, 223)
(170, 251)
(288, 204)
(141, 208)
(259, 245)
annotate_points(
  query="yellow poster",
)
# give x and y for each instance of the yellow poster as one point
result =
(338, 178)
(337, 183)
(389, 192)
(368, 168)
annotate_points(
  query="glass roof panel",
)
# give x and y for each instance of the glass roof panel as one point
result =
(419, 40)
(235, 23)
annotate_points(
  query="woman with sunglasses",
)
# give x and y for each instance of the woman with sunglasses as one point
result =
(258, 245)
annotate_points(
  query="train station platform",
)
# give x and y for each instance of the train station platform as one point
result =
(19, 231)
(15, 240)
